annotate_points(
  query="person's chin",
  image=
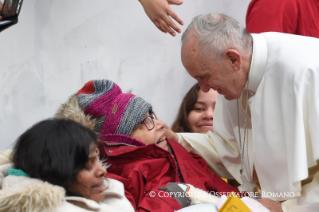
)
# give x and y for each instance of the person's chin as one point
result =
(205, 129)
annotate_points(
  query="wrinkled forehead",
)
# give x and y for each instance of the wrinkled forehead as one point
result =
(191, 47)
(191, 55)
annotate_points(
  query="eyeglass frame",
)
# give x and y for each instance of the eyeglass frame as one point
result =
(152, 116)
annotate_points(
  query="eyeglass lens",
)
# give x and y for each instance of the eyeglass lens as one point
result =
(149, 123)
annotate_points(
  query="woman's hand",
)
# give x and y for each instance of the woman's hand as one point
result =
(271, 205)
(179, 192)
(169, 133)
(161, 13)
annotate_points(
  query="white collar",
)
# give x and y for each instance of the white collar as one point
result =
(258, 62)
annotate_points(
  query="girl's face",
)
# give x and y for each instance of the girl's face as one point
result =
(200, 119)
(154, 136)
(89, 181)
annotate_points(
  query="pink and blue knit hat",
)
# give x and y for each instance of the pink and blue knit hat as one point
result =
(116, 112)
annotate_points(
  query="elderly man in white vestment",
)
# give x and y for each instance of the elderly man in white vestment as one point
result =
(267, 114)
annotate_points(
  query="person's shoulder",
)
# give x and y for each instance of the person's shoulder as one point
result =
(179, 150)
(175, 145)
(22, 191)
(79, 205)
(283, 35)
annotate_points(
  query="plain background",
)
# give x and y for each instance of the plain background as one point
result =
(57, 46)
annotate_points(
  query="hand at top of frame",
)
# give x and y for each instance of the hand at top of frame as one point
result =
(161, 14)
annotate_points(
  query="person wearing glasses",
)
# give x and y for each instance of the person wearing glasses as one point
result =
(55, 166)
(134, 142)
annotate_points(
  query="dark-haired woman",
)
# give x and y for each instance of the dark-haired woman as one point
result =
(56, 167)
(196, 111)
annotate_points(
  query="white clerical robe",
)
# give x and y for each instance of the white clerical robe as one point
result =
(283, 130)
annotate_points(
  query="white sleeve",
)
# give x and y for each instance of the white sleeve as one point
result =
(203, 145)
(199, 196)
(308, 201)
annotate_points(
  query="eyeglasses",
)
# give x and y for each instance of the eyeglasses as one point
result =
(149, 121)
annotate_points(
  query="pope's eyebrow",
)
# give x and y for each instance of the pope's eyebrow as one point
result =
(201, 75)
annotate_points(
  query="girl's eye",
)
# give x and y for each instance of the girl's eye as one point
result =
(199, 109)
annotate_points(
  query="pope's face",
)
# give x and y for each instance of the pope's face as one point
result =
(218, 75)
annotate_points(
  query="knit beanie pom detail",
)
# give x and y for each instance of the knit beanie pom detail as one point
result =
(92, 96)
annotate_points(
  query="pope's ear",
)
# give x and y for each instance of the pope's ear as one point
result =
(234, 58)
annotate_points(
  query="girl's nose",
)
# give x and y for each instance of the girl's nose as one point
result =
(209, 113)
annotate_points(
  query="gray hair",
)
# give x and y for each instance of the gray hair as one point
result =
(216, 33)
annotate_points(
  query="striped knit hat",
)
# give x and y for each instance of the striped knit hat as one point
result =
(116, 112)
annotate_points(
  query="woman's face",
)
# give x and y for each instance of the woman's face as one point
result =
(154, 136)
(200, 119)
(89, 181)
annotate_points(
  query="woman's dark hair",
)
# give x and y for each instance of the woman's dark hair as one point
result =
(181, 123)
(54, 150)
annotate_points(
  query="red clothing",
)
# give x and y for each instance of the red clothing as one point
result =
(144, 169)
(300, 17)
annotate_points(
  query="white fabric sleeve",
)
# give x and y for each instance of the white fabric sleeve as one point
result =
(203, 145)
(199, 196)
(308, 201)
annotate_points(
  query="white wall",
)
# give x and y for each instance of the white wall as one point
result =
(57, 46)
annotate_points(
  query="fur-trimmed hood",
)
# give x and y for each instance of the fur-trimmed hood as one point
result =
(73, 110)
(23, 193)
(38, 197)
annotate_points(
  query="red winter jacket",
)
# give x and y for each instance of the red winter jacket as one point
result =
(144, 169)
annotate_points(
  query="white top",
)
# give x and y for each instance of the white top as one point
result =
(284, 139)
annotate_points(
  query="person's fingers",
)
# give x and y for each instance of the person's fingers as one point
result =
(166, 27)
(171, 24)
(163, 30)
(0, 18)
(176, 2)
(159, 27)
(175, 17)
